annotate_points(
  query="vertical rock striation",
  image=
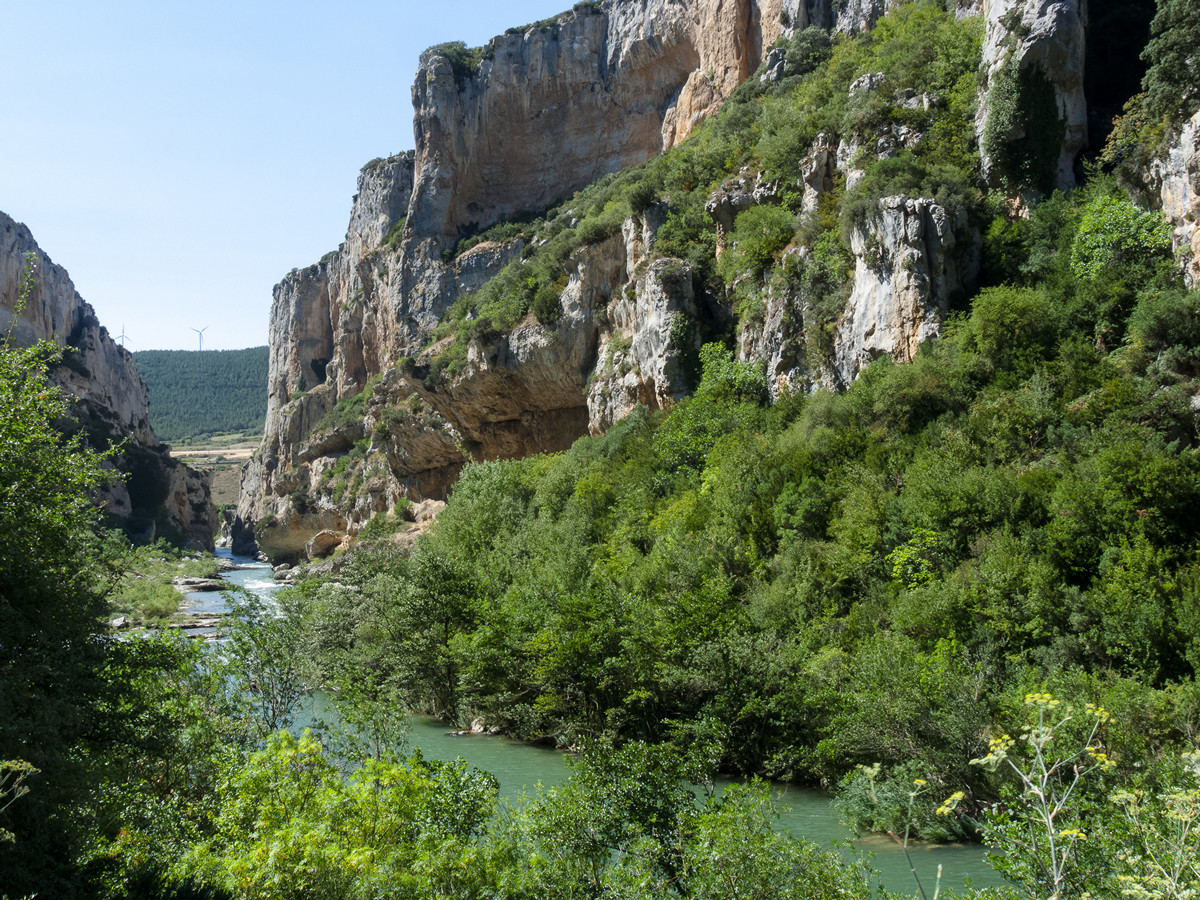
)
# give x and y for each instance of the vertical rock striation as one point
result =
(909, 260)
(1175, 179)
(1025, 39)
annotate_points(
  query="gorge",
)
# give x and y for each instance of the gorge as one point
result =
(157, 496)
(807, 393)
(507, 131)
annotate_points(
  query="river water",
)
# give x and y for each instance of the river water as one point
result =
(520, 767)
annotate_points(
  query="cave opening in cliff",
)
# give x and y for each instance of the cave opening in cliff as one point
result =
(1117, 32)
(320, 367)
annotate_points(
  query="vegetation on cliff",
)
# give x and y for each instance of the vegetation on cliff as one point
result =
(880, 578)
(921, 69)
(865, 577)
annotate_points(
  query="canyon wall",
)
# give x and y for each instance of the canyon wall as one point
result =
(1024, 39)
(1175, 180)
(358, 423)
(110, 403)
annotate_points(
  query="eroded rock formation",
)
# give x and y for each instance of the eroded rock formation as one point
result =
(1176, 181)
(110, 401)
(1028, 38)
(358, 425)
(909, 260)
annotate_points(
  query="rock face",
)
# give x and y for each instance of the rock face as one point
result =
(911, 257)
(908, 262)
(546, 110)
(533, 116)
(517, 393)
(1046, 36)
(1176, 180)
(110, 401)
(358, 424)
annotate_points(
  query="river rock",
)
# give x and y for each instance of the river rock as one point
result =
(198, 585)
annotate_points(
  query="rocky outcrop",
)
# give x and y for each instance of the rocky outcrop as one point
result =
(1175, 180)
(110, 403)
(623, 335)
(1025, 38)
(644, 356)
(780, 337)
(909, 261)
(607, 85)
(516, 126)
(95, 371)
(330, 322)
(911, 257)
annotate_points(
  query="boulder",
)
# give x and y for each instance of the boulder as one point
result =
(324, 543)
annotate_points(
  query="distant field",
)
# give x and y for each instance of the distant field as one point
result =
(200, 397)
(224, 455)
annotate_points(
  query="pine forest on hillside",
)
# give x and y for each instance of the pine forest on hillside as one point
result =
(197, 394)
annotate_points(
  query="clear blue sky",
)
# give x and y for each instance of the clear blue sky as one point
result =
(179, 158)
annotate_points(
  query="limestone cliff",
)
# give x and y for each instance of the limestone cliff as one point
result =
(1030, 44)
(520, 392)
(359, 423)
(1175, 179)
(110, 401)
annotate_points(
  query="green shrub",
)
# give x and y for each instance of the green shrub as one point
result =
(1138, 137)
(1172, 82)
(759, 234)
(546, 306)
(464, 61)
(897, 801)
(380, 527)
(806, 51)
(500, 233)
(392, 238)
(785, 135)
(1013, 328)
(1114, 234)
(596, 229)
(347, 412)
(908, 176)
(1166, 327)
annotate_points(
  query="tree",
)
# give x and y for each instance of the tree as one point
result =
(1172, 82)
(51, 603)
(265, 658)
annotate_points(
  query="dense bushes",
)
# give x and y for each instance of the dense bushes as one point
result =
(1172, 82)
(859, 578)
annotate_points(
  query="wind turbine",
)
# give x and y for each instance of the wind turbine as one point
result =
(200, 332)
(122, 337)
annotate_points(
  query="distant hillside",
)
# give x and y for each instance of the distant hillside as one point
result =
(199, 393)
